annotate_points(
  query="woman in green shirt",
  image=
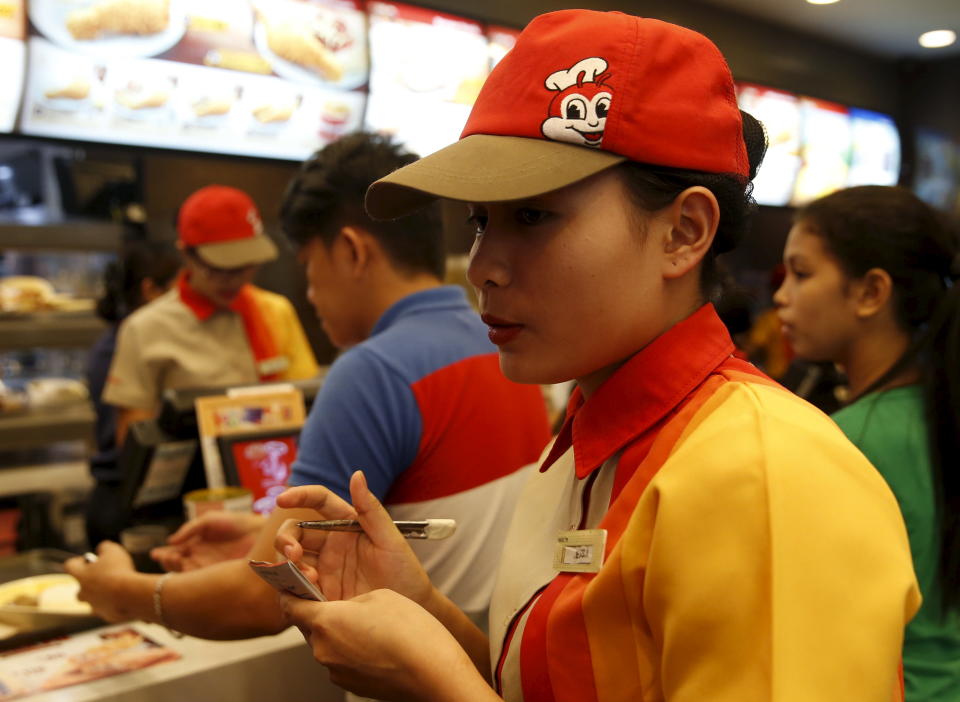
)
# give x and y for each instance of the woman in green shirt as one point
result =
(870, 286)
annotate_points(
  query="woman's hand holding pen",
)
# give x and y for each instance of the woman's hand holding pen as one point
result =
(380, 642)
(345, 564)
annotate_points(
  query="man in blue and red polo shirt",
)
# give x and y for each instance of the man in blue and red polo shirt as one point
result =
(416, 400)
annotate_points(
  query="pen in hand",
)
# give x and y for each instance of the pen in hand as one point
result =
(425, 529)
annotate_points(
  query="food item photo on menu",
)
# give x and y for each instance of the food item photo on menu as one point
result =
(270, 114)
(78, 89)
(129, 17)
(139, 96)
(307, 36)
(212, 107)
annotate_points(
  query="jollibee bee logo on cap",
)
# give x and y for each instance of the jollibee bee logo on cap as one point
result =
(254, 220)
(578, 112)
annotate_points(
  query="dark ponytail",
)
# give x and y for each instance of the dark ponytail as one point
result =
(942, 386)
(654, 187)
(891, 229)
(122, 279)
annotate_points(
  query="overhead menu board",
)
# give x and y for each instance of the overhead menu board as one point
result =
(426, 71)
(825, 140)
(816, 147)
(13, 59)
(273, 78)
(780, 114)
(281, 78)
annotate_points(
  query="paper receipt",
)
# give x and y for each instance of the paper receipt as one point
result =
(285, 576)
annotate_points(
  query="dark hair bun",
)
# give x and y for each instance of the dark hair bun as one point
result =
(755, 138)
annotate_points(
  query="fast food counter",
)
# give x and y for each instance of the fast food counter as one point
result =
(54, 649)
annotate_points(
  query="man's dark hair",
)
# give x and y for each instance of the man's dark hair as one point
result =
(328, 191)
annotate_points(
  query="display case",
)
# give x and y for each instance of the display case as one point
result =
(71, 256)
(52, 260)
(42, 339)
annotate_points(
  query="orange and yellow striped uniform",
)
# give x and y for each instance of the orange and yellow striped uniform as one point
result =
(752, 553)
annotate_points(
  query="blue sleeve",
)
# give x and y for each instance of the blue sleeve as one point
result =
(364, 417)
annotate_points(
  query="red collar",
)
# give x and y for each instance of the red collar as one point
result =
(642, 391)
(200, 304)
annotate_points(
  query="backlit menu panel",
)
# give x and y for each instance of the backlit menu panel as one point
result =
(13, 60)
(825, 142)
(427, 69)
(780, 114)
(273, 78)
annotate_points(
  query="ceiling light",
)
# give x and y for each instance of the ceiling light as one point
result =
(822, 2)
(937, 38)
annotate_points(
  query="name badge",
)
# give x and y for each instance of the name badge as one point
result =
(580, 551)
(272, 366)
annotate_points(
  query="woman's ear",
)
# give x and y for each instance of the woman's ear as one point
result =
(693, 218)
(872, 292)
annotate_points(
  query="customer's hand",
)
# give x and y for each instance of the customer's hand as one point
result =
(210, 538)
(385, 646)
(103, 583)
(344, 564)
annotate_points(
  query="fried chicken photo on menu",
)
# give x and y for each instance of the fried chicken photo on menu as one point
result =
(134, 17)
(269, 114)
(79, 89)
(136, 97)
(294, 40)
(207, 107)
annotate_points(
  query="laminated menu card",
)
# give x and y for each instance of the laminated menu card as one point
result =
(78, 659)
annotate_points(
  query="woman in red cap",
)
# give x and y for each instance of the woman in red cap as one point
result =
(695, 532)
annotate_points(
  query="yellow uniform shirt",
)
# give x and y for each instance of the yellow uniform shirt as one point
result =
(752, 553)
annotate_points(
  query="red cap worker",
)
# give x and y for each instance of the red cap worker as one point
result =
(214, 327)
(695, 532)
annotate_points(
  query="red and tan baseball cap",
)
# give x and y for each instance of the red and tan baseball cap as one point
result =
(223, 225)
(580, 92)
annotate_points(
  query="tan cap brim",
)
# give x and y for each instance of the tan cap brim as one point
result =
(239, 253)
(486, 168)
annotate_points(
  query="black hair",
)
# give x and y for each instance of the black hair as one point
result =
(890, 228)
(654, 187)
(328, 193)
(122, 279)
(735, 307)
